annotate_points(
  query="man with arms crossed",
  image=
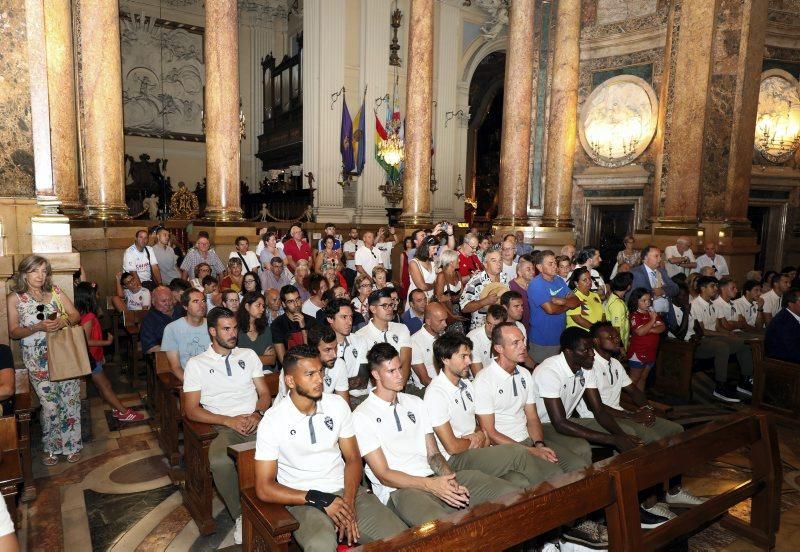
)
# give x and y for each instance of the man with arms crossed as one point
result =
(450, 401)
(404, 463)
(307, 458)
(224, 386)
(187, 336)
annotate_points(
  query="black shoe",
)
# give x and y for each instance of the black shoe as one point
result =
(649, 520)
(724, 393)
(745, 387)
(587, 533)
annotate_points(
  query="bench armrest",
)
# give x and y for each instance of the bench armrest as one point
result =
(204, 432)
(22, 403)
(276, 517)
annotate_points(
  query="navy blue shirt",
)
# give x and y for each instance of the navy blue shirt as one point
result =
(153, 325)
(412, 322)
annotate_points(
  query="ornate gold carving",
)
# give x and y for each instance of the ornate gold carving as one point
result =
(184, 204)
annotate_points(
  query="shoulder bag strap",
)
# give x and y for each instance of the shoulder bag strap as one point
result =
(61, 309)
(247, 268)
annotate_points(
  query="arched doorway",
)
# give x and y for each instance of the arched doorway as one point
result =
(483, 145)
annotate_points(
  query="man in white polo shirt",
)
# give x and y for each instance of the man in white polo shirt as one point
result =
(481, 338)
(334, 376)
(404, 463)
(224, 387)
(351, 352)
(368, 256)
(751, 306)
(450, 400)
(422, 368)
(307, 458)
(141, 258)
(381, 329)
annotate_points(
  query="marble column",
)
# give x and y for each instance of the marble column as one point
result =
(63, 116)
(100, 96)
(563, 124)
(516, 138)
(419, 107)
(221, 110)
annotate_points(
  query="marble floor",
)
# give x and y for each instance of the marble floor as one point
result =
(119, 496)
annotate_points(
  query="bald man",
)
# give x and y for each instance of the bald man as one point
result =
(680, 257)
(162, 312)
(422, 367)
(296, 249)
(274, 306)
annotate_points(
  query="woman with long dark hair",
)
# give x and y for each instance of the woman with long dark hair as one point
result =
(254, 332)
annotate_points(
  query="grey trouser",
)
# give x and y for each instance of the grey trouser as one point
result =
(416, 507)
(223, 470)
(318, 533)
(540, 352)
(512, 463)
(573, 453)
(659, 430)
(720, 349)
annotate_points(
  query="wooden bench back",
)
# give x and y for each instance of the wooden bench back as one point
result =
(674, 367)
(776, 386)
(162, 363)
(8, 433)
(132, 320)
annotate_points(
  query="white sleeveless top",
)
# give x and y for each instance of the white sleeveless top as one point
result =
(428, 276)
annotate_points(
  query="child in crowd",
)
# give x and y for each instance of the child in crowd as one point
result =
(211, 289)
(131, 295)
(616, 310)
(86, 303)
(646, 329)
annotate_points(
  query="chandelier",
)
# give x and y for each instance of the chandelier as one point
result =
(778, 134)
(391, 150)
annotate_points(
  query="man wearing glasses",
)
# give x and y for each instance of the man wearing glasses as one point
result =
(290, 329)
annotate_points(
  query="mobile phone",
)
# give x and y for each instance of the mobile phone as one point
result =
(52, 316)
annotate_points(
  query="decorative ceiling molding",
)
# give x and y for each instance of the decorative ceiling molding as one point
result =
(267, 9)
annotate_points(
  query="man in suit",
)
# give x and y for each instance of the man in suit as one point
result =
(782, 333)
(652, 277)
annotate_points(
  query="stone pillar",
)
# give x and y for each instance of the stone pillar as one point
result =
(100, 92)
(516, 139)
(563, 131)
(63, 116)
(221, 110)
(419, 97)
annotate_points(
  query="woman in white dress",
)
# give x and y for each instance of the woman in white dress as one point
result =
(421, 270)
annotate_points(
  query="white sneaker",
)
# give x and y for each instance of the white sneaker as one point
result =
(237, 531)
(661, 509)
(550, 547)
(684, 498)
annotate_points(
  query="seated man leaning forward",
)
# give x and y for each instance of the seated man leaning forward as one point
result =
(404, 464)
(307, 459)
(224, 387)
(450, 401)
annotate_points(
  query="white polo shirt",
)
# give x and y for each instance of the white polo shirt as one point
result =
(772, 302)
(455, 404)
(386, 253)
(422, 353)
(368, 258)
(352, 247)
(494, 394)
(726, 310)
(718, 262)
(481, 346)
(250, 258)
(225, 382)
(555, 380)
(306, 447)
(746, 309)
(399, 430)
(703, 311)
(333, 380)
(611, 378)
(137, 261)
(510, 270)
(396, 335)
(351, 355)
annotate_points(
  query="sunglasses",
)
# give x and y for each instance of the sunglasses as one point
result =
(40, 313)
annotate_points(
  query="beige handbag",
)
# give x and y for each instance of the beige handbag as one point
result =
(67, 351)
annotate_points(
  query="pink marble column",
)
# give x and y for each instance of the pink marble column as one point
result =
(221, 110)
(419, 97)
(518, 94)
(100, 93)
(563, 124)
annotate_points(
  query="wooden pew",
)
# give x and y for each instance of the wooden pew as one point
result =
(23, 410)
(11, 477)
(645, 467)
(674, 368)
(168, 416)
(132, 321)
(776, 386)
(115, 322)
(198, 487)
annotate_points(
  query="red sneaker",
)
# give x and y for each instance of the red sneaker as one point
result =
(129, 415)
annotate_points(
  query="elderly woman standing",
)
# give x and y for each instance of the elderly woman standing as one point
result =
(31, 306)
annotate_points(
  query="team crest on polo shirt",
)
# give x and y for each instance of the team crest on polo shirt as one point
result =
(522, 381)
(469, 397)
(328, 380)
(396, 339)
(329, 422)
(241, 364)
(355, 353)
(412, 417)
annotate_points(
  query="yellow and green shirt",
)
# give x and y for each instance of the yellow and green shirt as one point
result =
(591, 310)
(616, 311)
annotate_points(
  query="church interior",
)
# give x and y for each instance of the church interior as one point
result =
(593, 131)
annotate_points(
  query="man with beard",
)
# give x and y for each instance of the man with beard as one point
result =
(224, 386)
(291, 328)
(351, 350)
(307, 458)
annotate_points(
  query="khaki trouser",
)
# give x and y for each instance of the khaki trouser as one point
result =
(318, 533)
(512, 463)
(223, 470)
(661, 429)
(416, 507)
(720, 348)
(573, 453)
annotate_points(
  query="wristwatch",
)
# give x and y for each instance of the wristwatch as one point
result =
(539, 444)
(261, 412)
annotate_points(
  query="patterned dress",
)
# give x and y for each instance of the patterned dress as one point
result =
(61, 402)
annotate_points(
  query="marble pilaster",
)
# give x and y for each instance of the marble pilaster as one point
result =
(516, 137)
(374, 75)
(563, 124)
(100, 100)
(221, 44)
(419, 107)
(61, 98)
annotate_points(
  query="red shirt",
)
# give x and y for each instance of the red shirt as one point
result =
(468, 265)
(297, 252)
(645, 347)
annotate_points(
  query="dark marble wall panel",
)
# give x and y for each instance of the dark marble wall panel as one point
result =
(16, 141)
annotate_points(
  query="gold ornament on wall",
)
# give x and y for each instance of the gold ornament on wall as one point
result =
(778, 119)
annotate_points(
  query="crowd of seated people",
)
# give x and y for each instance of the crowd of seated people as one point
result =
(470, 370)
